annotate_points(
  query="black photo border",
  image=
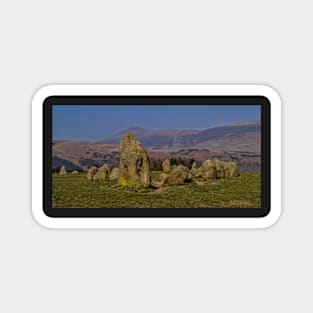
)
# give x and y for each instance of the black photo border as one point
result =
(262, 101)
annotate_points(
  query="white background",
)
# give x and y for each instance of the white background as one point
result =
(44, 42)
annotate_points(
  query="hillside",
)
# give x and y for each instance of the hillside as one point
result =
(238, 142)
(243, 136)
(154, 139)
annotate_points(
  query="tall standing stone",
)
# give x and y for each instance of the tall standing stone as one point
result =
(134, 163)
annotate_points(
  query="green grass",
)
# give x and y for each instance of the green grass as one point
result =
(75, 191)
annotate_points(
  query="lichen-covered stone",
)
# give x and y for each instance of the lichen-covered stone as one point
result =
(208, 170)
(75, 172)
(166, 166)
(92, 172)
(159, 181)
(62, 170)
(179, 175)
(233, 169)
(134, 163)
(226, 169)
(220, 169)
(162, 177)
(196, 171)
(114, 173)
(193, 166)
(102, 174)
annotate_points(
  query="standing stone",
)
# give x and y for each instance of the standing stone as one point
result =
(179, 175)
(114, 173)
(102, 174)
(75, 172)
(220, 169)
(208, 170)
(166, 166)
(92, 172)
(134, 163)
(233, 169)
(159, 181)
(162, 177)
(226, 169)
(62, 170)
(193, 166)
(196, 171)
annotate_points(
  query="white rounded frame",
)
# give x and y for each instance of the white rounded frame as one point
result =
(156, 90)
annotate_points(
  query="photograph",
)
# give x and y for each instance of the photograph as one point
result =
(152, 156)
(156, 156)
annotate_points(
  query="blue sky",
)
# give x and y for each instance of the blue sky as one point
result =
(96, 122)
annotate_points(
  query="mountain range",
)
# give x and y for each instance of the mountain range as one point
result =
(238, 142)
(242, 136)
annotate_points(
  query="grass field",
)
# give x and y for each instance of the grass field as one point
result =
(75, 191)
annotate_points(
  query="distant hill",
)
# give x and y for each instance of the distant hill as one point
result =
(83, 154)
(242, 136)
(58, 162)
(238, 142)
(101, 153)
(153, 139)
